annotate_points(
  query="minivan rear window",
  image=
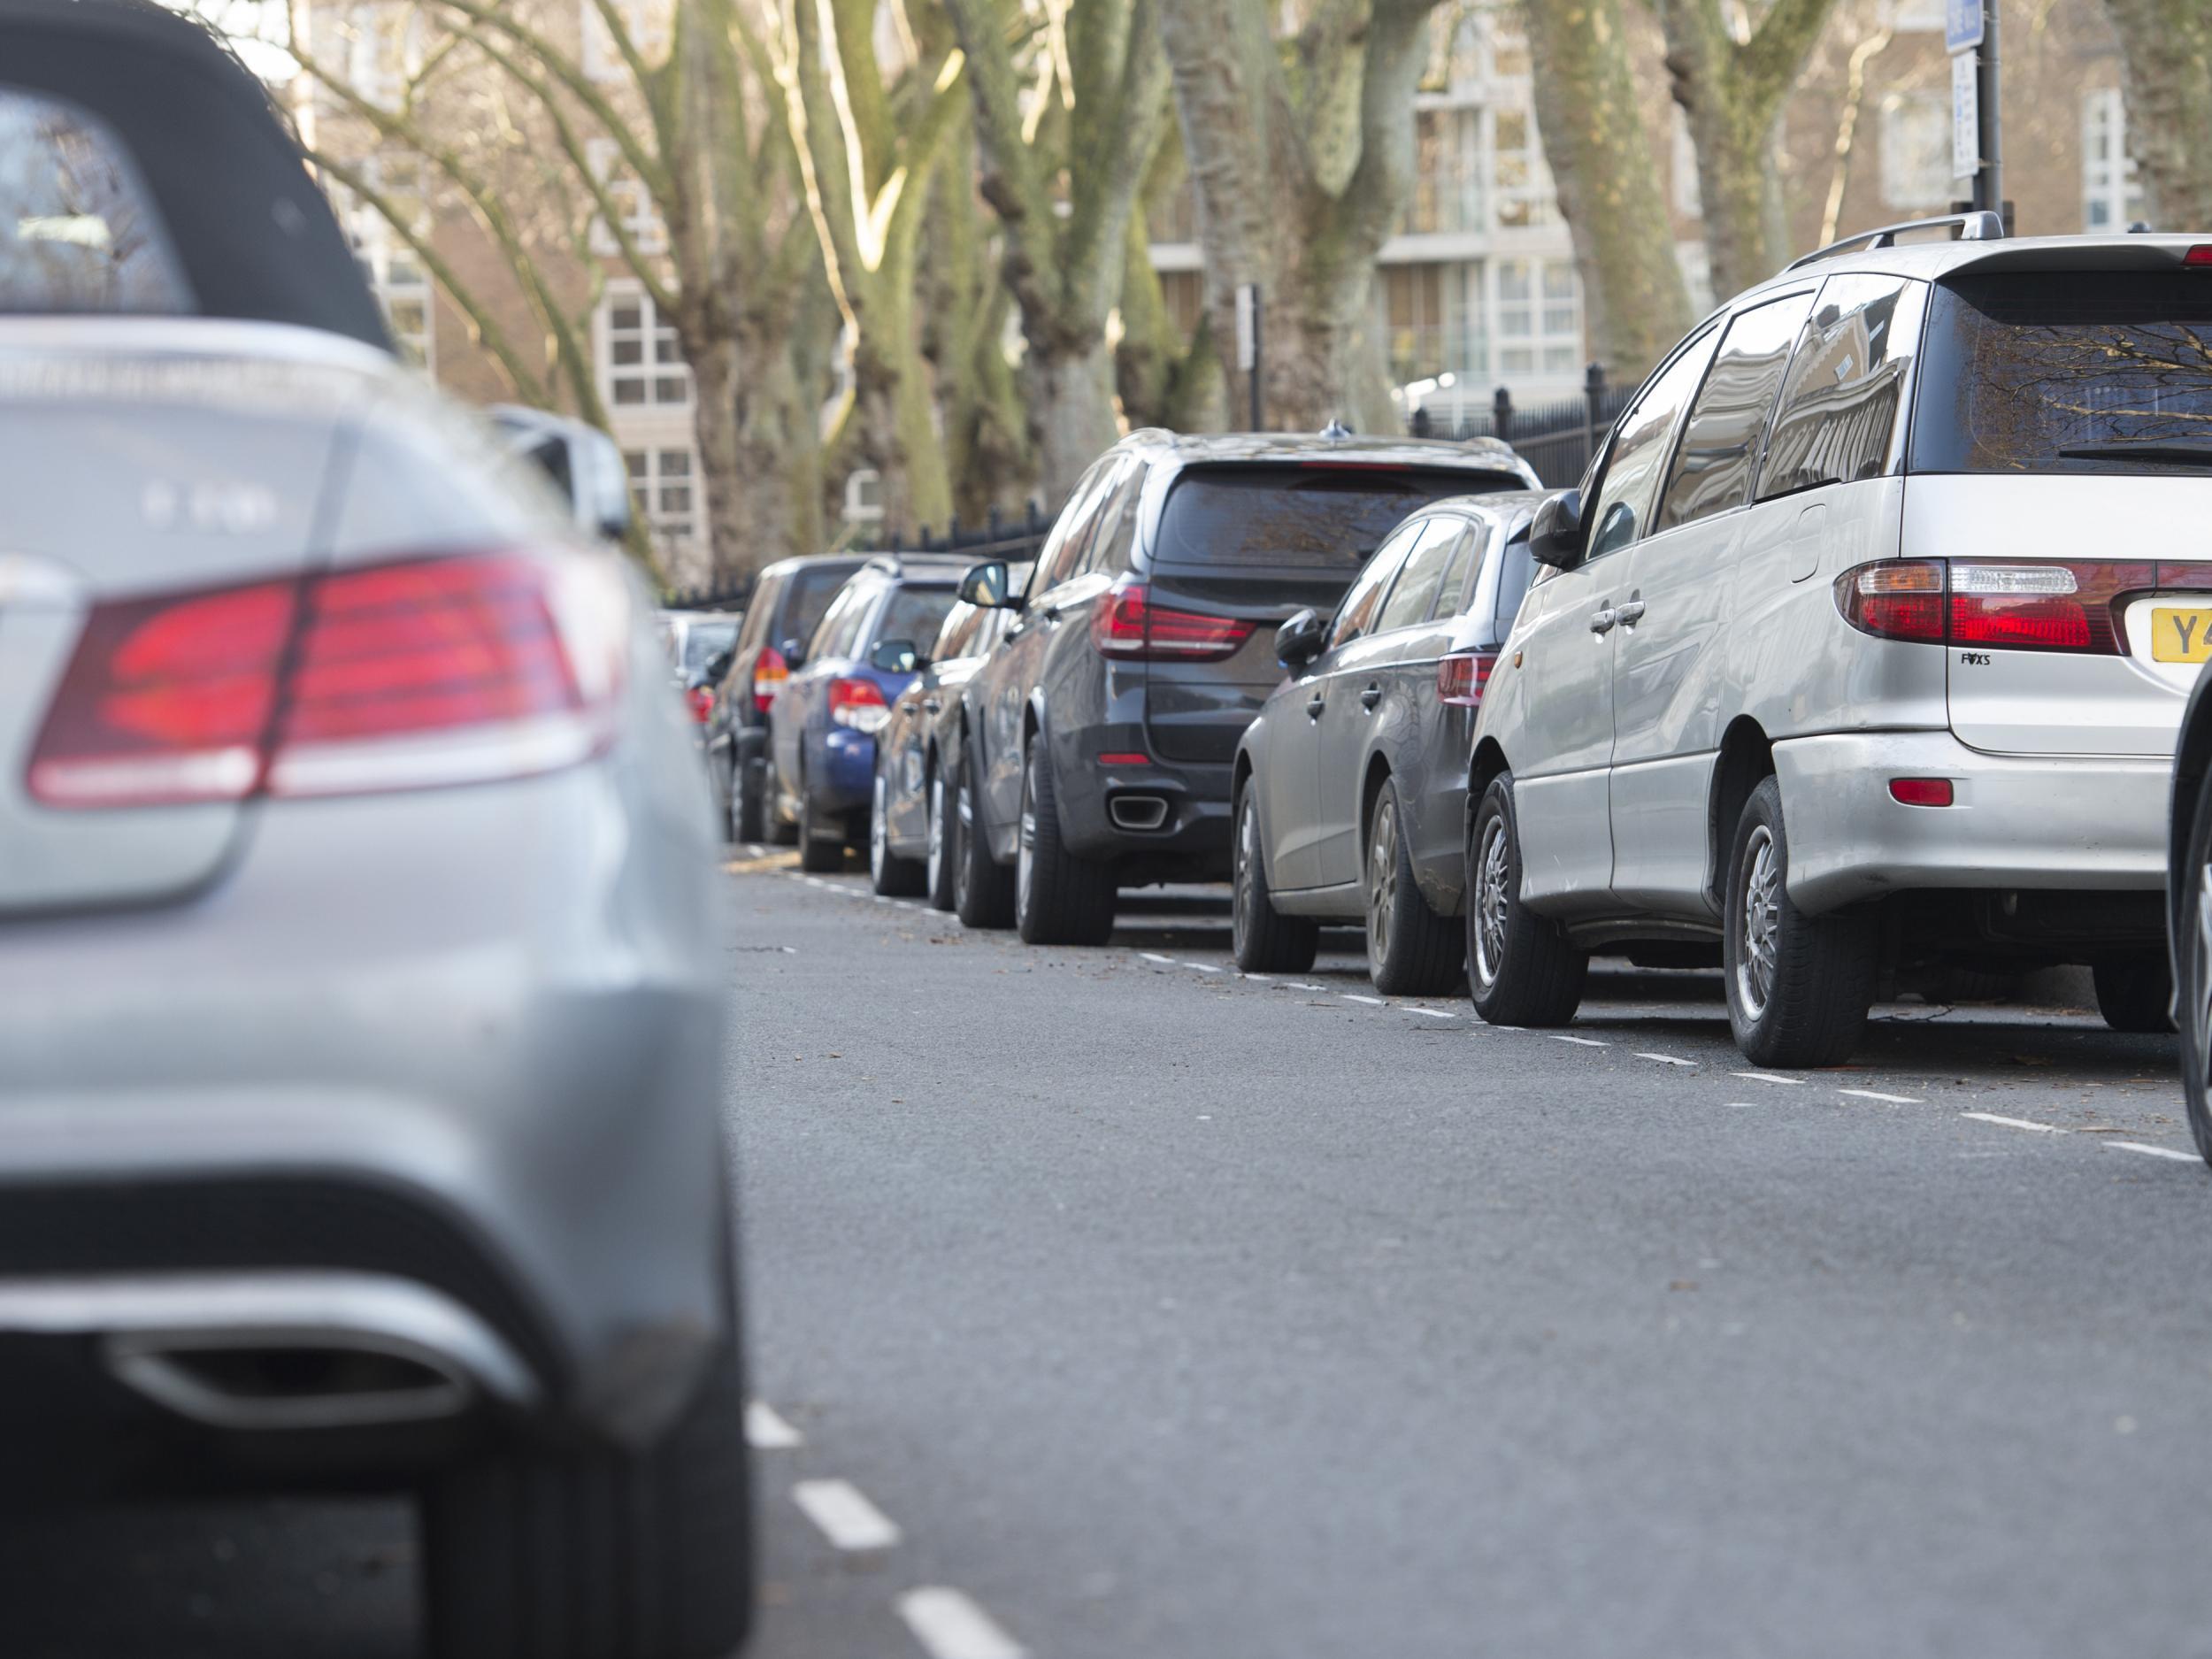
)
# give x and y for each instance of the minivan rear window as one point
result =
(1302, 516)
(2073, 371)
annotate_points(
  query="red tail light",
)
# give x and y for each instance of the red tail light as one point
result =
(769, 671)
(1126, 624)
(1461, 679)
(399, 676)
(2046, 605)
(1921, 791)
(858, 703)
(701, 701)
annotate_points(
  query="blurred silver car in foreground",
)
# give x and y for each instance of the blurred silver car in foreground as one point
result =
(360, 976)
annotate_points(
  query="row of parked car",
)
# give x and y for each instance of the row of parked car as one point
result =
(1859, 659)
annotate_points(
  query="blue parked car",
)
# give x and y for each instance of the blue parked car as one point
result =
(822, 728)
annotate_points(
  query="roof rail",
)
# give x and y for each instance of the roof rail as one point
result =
(1981, 225)
(888, 562)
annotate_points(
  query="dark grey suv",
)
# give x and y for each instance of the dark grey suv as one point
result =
(1100, 733)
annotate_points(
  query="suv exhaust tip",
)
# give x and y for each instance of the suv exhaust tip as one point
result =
(337, 1381)
(1137, 811)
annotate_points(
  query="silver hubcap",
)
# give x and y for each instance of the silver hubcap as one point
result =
(1240, 894)
(1490, 900)
(1024, 857)
(1761, 922)
(936, 830)
(878, 832)
(1382, 879)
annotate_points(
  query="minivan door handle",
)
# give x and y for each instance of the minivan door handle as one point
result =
(1602, 621)
(1631, 612)
(1314, 705)
(1369, 697)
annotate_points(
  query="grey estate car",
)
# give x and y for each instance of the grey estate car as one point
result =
(360, 983)
(1864, 643)
(1351, 786)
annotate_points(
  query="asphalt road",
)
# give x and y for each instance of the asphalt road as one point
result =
(1126, 1306)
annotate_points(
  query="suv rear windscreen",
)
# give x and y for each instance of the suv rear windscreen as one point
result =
(808, 600)
(2073, 371)
(915, 614)
(1329, 516)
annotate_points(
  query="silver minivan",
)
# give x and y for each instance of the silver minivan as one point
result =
(1862, 650)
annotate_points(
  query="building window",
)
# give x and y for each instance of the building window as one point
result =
(1916, 150)
(383, 50)
(1523, 189)
(2111, 195)
(640, 364)
(664, 482)
(640, 218)
(400, 284)
(646, 22)
(1417, 334)
(1539, 317)
(1913, 17)
(1449, 185)
(864, 496)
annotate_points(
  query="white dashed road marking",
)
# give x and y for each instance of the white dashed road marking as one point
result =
(1371, 1001)
(1298, 984)
(2014, 1122)
(1433, 1013)
(765, 1432)
(1579, 1042)
(951, 1626)
(1665, 1059)
(844, 1514)
(1767, 1077)
(2156, 1152)
(1887, 1100)
(1201, 966)
(1165, 962)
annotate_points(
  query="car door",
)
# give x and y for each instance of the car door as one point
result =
(1562, 736)
(1681, 592)
(1291, 798)
(1367, 704)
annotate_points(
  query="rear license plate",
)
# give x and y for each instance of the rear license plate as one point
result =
(2181, 633)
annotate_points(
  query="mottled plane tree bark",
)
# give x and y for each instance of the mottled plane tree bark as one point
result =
(2166, 50)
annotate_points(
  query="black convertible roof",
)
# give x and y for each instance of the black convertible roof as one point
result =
(256, 237)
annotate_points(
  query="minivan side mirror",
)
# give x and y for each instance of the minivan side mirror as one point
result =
(987, 587)
(1298, 642)
(895, 657)
(793, 651)
(1555, 536)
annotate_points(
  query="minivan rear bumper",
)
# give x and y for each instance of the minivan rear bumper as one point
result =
(2015, 821)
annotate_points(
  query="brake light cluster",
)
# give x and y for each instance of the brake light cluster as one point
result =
(858, 703)
(1461, 679)
(769, 671)
(390, 677)
(1128, 624)
(2045, 606)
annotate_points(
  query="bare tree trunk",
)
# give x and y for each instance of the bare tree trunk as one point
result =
(1603, 162)
(2166, 46)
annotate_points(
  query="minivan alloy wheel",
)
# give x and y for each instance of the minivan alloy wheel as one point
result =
(1382, 879)
(936, 831)
(1491, 887)
(880, 831)
(1761, 920)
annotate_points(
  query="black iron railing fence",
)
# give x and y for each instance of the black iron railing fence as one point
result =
(1557, 438)
(1014, 539)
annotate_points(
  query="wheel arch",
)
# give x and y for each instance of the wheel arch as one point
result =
(1486, 766)
(1371, 789)
(2193, 760)
(1746, 756)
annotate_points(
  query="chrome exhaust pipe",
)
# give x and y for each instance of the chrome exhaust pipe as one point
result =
(1137, 811)
(340, 1381)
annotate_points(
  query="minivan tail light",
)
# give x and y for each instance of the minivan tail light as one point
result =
(389, 677)
(1898, 599)
(1462, 677)
(858, 703)
(1126, 623)
(769, 671)
(2046, 605)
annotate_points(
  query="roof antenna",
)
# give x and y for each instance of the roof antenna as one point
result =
(1336, 431)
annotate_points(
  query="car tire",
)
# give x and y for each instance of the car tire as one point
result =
(1262, 938)
(748, 811)
(1411, 951)
(1799, 987)
(1521, 970)
(2193, 968)
(598, 1553)
(983, 888)
(1059, 898)
(888, 874)
(818, 853)
(944, 843)
(2136, 996)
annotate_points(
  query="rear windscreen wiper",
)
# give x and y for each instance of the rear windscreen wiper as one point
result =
(2176, 453)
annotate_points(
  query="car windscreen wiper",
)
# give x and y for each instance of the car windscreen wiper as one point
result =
(2172, 454)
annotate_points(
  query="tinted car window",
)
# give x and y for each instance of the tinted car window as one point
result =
(957, 637)
(1071, 531)
(2090, 371)
(1117, 532)
(1631, 473)
(758, 613)
(809, 600)
(1846, 386)
(1358, 603)
(1323, 517)
(839, 635)
(79, 231)
(1515, 571)
(1451, 593)
(916, 614)
(1719, 451)
(705, 640)
(1415, 591)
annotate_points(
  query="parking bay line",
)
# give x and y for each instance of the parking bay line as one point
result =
(2014, 1122)
(1579, 1042)
(1768, 1076)
(1887, 1100)
(1371, 1001)
(1165, 962)
(844, 1514)
(952, 1626)
(1664, 1059)
(1433, 1013)
(766, 1431)
(2156, 1152)
(1201, 966)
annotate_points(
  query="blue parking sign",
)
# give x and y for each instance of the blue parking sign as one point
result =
(1963, 24)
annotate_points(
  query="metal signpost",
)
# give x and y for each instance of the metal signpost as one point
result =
(1971, 32)
(1248, 343)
